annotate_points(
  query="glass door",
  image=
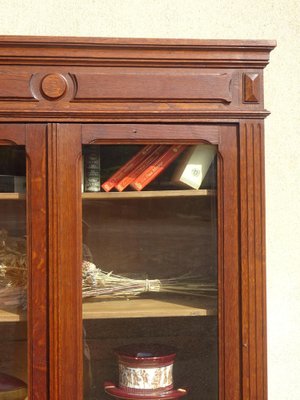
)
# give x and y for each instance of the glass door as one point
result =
(18, 162)
(13, 270)
(149, 267)
(150, 271)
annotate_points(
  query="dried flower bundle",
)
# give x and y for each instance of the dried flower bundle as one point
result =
(95, 282)
(13, 270)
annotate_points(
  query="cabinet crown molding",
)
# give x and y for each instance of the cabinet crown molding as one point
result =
(96, 79)
(91, 51)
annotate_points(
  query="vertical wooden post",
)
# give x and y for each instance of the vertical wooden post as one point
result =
(253, 259)
(64, 164)
(229, 266)
(37, 262)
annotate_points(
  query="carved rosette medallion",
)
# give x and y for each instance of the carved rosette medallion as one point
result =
(53, 86)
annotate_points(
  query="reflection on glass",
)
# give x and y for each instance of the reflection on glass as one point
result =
(150, 271)
(13, 273)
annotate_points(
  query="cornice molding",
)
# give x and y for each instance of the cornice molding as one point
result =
(32, 50)
(133, 42)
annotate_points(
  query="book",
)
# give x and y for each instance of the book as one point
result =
(128, 167)
(12, 184)
(157, 166)
(131, 176)
(92, 169)
(82, 173)
(194, 166)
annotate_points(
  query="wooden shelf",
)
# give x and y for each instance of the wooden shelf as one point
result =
(12, 315)
(125, 195)
(147, 194)
(12, 196)
(169, 306)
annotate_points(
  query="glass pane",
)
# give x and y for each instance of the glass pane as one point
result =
(13, 273)
(150, 271)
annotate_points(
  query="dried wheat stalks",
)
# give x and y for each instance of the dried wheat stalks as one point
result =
(13, 270)
(95, 282)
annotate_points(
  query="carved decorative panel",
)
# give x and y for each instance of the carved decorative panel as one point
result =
(138, 85)
(15, 86)
(251, 88)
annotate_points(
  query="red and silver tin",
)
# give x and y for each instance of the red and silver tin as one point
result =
(145, 368)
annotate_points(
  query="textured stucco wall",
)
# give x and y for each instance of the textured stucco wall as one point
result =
(230, 19)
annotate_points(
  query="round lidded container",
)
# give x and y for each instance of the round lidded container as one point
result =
(12, 388)
(146, 368)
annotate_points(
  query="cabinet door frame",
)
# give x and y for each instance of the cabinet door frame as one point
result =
(33, 138)
(65, 147)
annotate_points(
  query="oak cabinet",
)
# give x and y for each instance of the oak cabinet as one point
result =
(160, 261)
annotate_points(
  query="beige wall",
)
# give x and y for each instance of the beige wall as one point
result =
(239, 19)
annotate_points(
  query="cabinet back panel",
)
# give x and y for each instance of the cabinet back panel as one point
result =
(154, 237)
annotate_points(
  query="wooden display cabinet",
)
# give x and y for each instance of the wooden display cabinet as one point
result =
(204, 248)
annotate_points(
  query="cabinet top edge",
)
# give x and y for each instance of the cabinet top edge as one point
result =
(205, 44)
